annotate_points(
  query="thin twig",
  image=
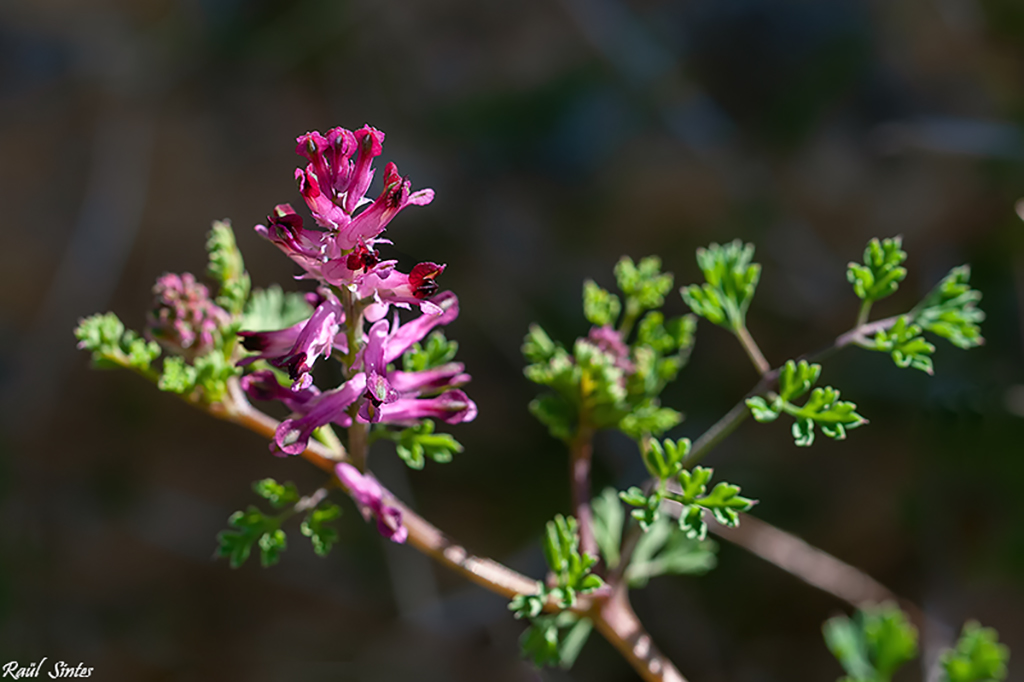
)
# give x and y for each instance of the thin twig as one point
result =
(581, 450)
(753, 352)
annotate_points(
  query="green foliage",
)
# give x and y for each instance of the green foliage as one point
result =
(608, 521)
(252, 526)
(873, 645)
(435, 352)
(823, 408)
(571, 568)
(665, 549)
(544, 642)
(599, 306)
(603, 382)
(178, 376)
(315, 527)
(951, 310)
(977, 657)
(271, 309)
(664, 461)
(278, 494)
(114, 346)
(555, 640)
(908, 348)
(227, 268)
(881, 272)
(205, 380)
(418, 442)
(730, 282)
(643, 284)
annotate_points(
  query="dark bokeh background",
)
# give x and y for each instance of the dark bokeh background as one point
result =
(558, 134)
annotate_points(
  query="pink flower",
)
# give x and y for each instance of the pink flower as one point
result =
(293, 435)
(369, 495)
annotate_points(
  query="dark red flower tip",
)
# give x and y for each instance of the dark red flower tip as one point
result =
(421, 279)
(285, 216)
(362, 257)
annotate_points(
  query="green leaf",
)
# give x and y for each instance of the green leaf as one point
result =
(724, 502)
(643, 284)
(978, 656)
(825, 409)
(538, 348)
(890, 637)
(419, 442)
(665, 461)
(570, 644)
(212, 372)
(571, 568)
(874, 645)
(114, 346)
(600, 307)
(555, 413)
(250, 526)
(951, 311)
(664, 549)
(540, 644)
(881, 272)
(177, 376)
(648, 418)
(528, 605)
(908, 348)
(315, 527)
(845, 640)
(227, 268)
(796, 379)
(762, 411)
(435, 352)
(271, 309)
(731, 280)
(272, 543)
(279, 495)
(608, 522)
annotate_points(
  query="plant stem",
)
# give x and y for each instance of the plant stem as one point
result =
(753, 352)
(613, 616)
(865, 311)
(718, 431)
(581, 451)
(617, 621)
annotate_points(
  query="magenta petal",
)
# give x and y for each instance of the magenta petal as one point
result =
(452, 407)
(403, 337)
(293, 435)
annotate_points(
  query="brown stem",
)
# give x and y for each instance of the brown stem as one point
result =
(813, 566)
(616, 620)
(613, 616)
(581, 451)
(753, 352)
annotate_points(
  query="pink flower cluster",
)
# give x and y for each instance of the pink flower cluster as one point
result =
(185, 319)
(341, 255)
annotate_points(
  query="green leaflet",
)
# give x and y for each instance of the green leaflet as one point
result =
(873, 645)
(730, 282)
(977, 657)
(557, 639)
(723, 501)
(951, 310)
(823, 409)
(252, 527)
(419, 442)
(227, 268)
(881, 272)
(271, 309)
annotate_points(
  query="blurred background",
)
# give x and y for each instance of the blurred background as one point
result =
(558, 135)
